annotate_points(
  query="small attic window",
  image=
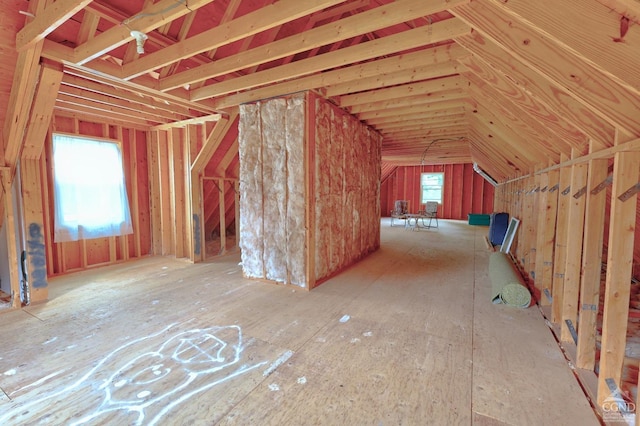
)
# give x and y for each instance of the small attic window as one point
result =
(90, 193)
(431, 185)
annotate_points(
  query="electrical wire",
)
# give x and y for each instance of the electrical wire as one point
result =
(424, 153)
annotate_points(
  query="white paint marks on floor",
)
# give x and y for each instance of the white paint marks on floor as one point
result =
(367, 334)
(302, 380)
(345, 318)
(53, 339)
(321, 339)
(38, 382)
(195, 359)
(155, 302)
(355, 340)
(273, 387)
(11, 372)
(277, 363)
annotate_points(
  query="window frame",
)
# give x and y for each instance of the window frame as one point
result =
(422, 188)
(66, 231)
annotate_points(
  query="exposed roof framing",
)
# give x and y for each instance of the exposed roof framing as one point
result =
(510, 85)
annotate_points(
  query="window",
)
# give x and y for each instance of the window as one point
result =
(90, 193)
(431, 185)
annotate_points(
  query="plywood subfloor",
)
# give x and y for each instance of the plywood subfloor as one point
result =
(407, 336)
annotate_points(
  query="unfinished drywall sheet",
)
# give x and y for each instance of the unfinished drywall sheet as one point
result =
(251, 225)
(272, 176)
(347, 190)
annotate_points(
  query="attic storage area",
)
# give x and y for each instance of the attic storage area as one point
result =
(268, 141)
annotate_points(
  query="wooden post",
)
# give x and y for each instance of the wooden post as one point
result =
(236, 189)
(310, 185)
(12, 246)
(135, 208)
(549, 236)
(619, 263)
(154, 193)
(223, 219)
(541, 211)
(190, 147)
(575, 229)
(177, 193)
(591, 265)
(34, 224)
(560, 246)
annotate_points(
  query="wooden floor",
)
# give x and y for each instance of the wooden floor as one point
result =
(406, 337)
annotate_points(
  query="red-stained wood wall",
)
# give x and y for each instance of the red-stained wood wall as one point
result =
(465, 191)
(84, 254)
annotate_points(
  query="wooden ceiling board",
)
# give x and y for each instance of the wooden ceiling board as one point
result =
(497, 85)
(591, 87)
(553, 96)
(593, 33)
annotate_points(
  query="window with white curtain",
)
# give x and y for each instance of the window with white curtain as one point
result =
(90, 195)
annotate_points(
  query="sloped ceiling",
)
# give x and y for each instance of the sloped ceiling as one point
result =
(513, 85)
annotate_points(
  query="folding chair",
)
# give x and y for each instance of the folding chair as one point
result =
(400, 210)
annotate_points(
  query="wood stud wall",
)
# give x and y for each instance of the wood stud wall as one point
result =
(38, 201)
(465, 190)
(564, 212)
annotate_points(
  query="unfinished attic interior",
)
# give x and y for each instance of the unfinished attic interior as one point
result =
(197, 201)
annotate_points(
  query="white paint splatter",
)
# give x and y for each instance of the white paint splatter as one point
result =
(165, 267)
(38, 382)
(367, 334)
(53, 339)
(120, 383)
(302, 380)
(143, 394)
(11, 372)
(321, 339)
(277, 363)
(355, 340)
(71, 346)
(345, 318)
(155, 302)
(273, 387)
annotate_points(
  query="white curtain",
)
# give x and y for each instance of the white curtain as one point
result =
(90, 192)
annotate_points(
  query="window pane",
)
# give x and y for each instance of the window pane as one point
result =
(432, 187)
(90, 193)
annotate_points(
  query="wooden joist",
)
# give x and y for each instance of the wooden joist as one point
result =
(406, 40)
(42, 110)
(618, 279)
(245, 26)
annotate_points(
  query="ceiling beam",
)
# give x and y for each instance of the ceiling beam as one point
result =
(409, 114)
(425, 87)
(147, 20)
(414, 112)
(394, 78)
(139, 106)
(47, 20)
(247, 25)
(421, 36)
(446, 99)
(114, 110)
(398, 63)
(343, 29)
